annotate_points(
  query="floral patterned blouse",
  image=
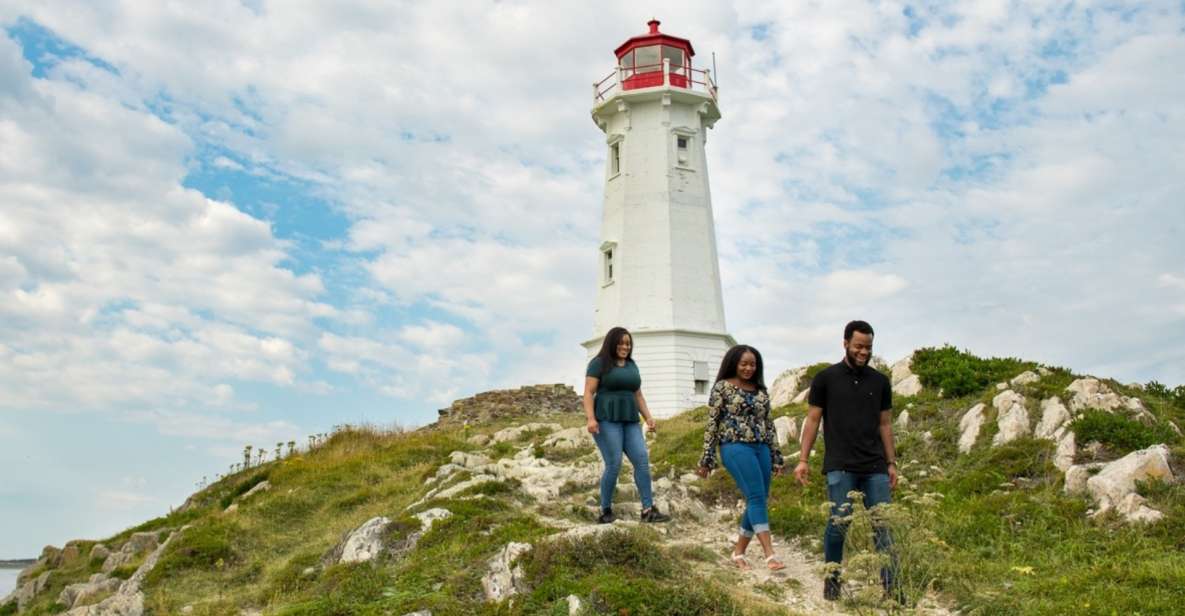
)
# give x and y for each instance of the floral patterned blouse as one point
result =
(738, 416)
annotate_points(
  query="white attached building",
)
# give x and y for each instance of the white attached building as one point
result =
(659, 274)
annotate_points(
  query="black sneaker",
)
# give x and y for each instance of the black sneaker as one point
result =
(606, 516)
(654, 515)
(831, 587)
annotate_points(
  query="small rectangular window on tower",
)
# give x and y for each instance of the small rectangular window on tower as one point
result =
(699, 370)
(682, 155)
(615, 159)
(608, 266)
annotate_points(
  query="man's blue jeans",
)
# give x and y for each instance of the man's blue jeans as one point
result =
(876, 490)
(749, 465)
(614, 438)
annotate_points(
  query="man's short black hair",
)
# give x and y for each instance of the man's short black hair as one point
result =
(856, 326)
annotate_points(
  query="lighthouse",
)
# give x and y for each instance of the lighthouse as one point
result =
(658, 272)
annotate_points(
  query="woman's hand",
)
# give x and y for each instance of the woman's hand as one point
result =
(703, 471)
(593, 427)
(650, 424)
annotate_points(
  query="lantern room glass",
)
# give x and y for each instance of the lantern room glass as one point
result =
(646, 59)
(675, 55)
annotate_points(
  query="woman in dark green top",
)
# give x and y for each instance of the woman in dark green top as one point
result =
(612, 404)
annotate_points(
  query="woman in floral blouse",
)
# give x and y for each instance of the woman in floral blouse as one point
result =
(739, 422)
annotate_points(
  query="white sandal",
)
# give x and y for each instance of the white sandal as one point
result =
(741, 562)
(774, 563)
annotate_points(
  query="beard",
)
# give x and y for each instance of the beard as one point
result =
(853, 360)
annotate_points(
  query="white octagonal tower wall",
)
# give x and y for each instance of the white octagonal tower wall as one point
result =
(658, 274)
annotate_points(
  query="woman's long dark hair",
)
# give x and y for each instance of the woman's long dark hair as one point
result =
(732, 359)
(608, 353)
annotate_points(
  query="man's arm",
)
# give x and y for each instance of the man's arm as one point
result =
(886, 428)
(810, 429)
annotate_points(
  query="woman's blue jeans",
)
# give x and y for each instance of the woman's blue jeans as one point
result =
(614, 438)
(749, 465)
(876, 491)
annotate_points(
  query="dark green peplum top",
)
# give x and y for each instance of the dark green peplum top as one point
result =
(614, 400)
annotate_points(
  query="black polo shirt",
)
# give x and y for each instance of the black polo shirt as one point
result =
(852, 400)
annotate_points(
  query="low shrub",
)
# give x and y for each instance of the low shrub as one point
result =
(958, 373)
(1119, 433)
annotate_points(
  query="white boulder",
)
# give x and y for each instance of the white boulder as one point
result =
(903, 420)
(1063, 457)
(785, 387)
(1118, 479)
(1077, 474)
(1024, 378)
(904, 381)
(1012, 418)
(1054, 417)
(787, 429)
(969, 427)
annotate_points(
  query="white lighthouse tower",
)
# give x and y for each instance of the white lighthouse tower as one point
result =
(659, 274)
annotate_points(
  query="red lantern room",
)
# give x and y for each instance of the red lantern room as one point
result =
(642, 58)
(655, 60)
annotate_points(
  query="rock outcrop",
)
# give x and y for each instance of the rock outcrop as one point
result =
(787, 386)
(1012, 418)
(904, 381)
(532, 400)
(1114, 487)
(128, 599)
(504, 577)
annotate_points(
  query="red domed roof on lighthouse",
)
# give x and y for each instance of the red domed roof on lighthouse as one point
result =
(654, 37)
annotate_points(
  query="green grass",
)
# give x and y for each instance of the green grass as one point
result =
(991, 530)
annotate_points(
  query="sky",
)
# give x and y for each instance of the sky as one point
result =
(241, 223)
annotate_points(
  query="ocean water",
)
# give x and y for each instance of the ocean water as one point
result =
(7, 581)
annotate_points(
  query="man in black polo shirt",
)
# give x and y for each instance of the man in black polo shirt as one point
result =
(855, 404)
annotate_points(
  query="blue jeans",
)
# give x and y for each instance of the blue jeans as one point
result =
(614, 438)
(749, 465)
(876, 490)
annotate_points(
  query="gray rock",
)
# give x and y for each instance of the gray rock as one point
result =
(262, 486)
(100, 551)
(364, 542)
(478, 439)
(504, 577)
(570, 438)
(83, 593)
(574, 605)
(902, 420)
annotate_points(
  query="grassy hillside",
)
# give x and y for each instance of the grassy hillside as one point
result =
(989, 532)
